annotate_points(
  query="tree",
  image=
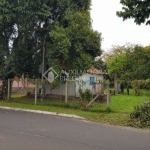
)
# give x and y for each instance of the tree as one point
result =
(139, 62)
(74, 42)
(139, 10)
(20, 23)
(129, 62)
(62, 27)
(100, 65)
(54, 21)
(117, 63)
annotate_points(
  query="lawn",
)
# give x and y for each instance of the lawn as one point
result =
(121, 105)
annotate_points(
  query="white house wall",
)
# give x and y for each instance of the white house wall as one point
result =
(86, 79)
(60, 90)
(73, 86)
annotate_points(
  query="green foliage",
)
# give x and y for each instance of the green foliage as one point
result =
(100, 65)
(142, 115)
(147, 84)
(136, 9)
(73, 41)
(85, 95)
(117, 61)
(61, 27)
(139, 60)
(129, 62)
(88, 95)
(60, 43)
(51, 103)
(64, 25)
(82, 94)
(138, 84)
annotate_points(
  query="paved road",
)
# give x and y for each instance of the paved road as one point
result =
(31, 131)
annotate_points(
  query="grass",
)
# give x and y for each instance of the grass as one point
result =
(121, 106)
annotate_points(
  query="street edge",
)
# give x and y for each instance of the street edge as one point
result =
(42, 112)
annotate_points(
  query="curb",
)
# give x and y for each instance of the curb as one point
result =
(43, 112)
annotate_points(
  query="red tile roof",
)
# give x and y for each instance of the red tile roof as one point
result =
(93, 70)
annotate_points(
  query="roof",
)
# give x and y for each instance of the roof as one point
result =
(93, 70)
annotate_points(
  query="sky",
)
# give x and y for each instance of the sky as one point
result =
(114, 30)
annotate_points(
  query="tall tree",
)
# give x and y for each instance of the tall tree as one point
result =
(117, 64)
(64, 25)
(29, 22)
(139, 10)
(73, 40)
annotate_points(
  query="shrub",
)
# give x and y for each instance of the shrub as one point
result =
(82, 95)
(88, 95)
(142, 115)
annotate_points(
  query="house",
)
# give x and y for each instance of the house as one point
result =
(91, 79)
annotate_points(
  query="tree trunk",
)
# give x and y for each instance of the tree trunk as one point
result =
(4, 89)
(116, 84)
(128, 92)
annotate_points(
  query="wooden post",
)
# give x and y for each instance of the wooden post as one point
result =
(27, 86)
(93, 100)
(43, 69)
(108, 94)
(35, 92)
(66, 93)
(116, 83)
(8, 92)
(18, 83)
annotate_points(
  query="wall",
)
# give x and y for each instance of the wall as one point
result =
(60, 90)
(95, 89)
(73, 86)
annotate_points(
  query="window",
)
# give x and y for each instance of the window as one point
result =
(92, 80)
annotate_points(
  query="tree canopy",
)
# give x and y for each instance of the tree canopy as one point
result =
(129, 62)
(65, 25)
(139, 10)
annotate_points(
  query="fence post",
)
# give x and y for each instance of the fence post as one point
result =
(108, 94)
(35, 91)
(66, 92)
(8, 91)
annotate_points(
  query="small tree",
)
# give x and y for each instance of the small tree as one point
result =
(86, 95)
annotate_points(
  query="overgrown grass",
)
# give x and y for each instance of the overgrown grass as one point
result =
(121, 105)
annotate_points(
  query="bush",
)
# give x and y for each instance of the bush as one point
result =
(86, 95)
(141, 114)
(82, 95)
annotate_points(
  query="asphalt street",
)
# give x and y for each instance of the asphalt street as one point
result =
(30, 131)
